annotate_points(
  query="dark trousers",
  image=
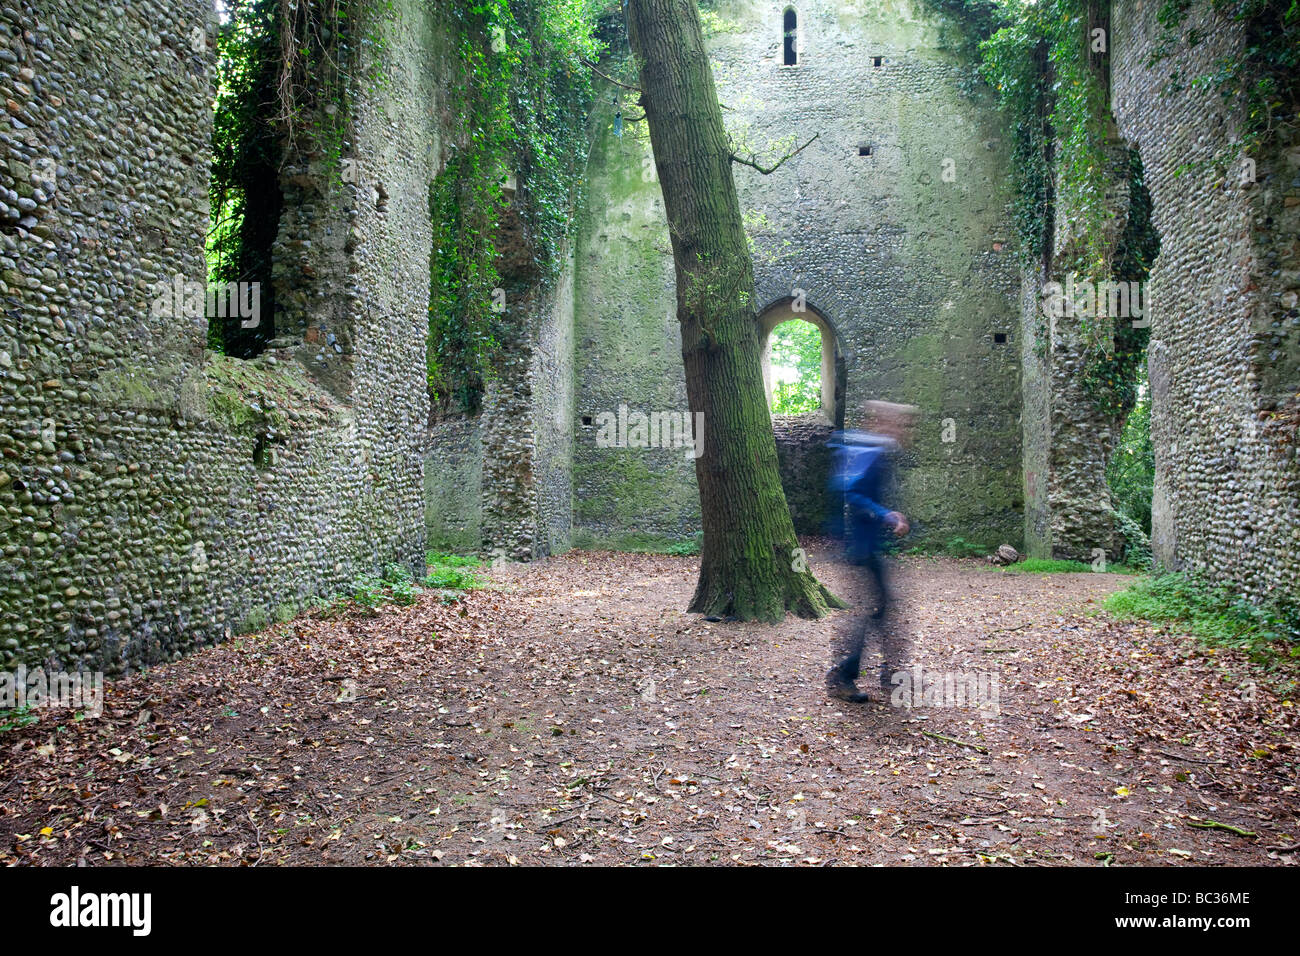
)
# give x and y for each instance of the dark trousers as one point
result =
(877, 617)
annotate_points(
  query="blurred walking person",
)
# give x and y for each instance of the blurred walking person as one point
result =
(861, 479)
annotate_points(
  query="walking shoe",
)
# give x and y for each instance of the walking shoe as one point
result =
(841, 688)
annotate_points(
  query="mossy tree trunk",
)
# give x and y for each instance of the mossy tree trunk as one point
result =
(748, 566)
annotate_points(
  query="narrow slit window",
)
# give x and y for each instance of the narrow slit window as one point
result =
(791, 34)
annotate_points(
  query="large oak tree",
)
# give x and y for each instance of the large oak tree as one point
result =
(749, 565)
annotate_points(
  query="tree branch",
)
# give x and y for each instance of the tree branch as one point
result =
(768, 170)
(595, 69)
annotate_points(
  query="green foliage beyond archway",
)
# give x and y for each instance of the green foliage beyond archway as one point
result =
(1131, 469)
(796, 368)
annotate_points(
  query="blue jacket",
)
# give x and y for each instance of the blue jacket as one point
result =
(861, 473)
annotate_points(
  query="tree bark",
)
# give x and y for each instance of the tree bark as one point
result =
(749, 566)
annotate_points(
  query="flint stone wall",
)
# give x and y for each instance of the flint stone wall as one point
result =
(1224, 358)
(155, 497)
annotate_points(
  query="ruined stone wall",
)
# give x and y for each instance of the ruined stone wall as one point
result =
(515, 501)
(1224, 324)
(804, 462)
(525, 506)
(553, 397)
(904, 251)
(1036, 419)
(453, 486)
(509, 492)
(627, 352)
(1067, 437)
(154, 497)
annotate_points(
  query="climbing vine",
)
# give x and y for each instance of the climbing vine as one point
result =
(1046, 62)
(522, 96)
(314, 71)
(1112, 378)
(1264, 77)
(245, 157)
(463, 278)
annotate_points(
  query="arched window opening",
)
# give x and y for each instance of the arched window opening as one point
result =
(804, 373)
(796, 357)
(803, 369)
(791, 35)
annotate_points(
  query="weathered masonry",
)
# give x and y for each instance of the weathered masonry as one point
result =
(1221, 304)
(1224, 358)
(890, 229)
(893, 228)
(155, 497)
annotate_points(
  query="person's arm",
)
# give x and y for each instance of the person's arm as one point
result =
(861, 503)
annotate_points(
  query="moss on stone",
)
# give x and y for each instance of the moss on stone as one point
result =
(243, 394)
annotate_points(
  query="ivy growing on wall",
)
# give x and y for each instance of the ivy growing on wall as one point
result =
(522, 97)
(287, 73)
(1264, 78)
(1112, 377)
(463, 329)
(1015, 61)
(1046, 61)
(1042, 60)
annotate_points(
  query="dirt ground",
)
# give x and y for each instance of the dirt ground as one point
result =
(574, 714)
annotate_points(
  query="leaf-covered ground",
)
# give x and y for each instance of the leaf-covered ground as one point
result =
(573, 714)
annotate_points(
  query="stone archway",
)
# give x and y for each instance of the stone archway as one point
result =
(832, 369)
(802, 456)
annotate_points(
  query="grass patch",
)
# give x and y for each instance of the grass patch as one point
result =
(393, 585)
(639, 542)
(256, 620)
(642, 543)
(441, 560)
(1055, 566)
(1046, 566)
(453, 572)
(683, 549)
(370, 592)
(959, 547)
(453, 579)
(1269, 635)
(396, 585)
(954, 547)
